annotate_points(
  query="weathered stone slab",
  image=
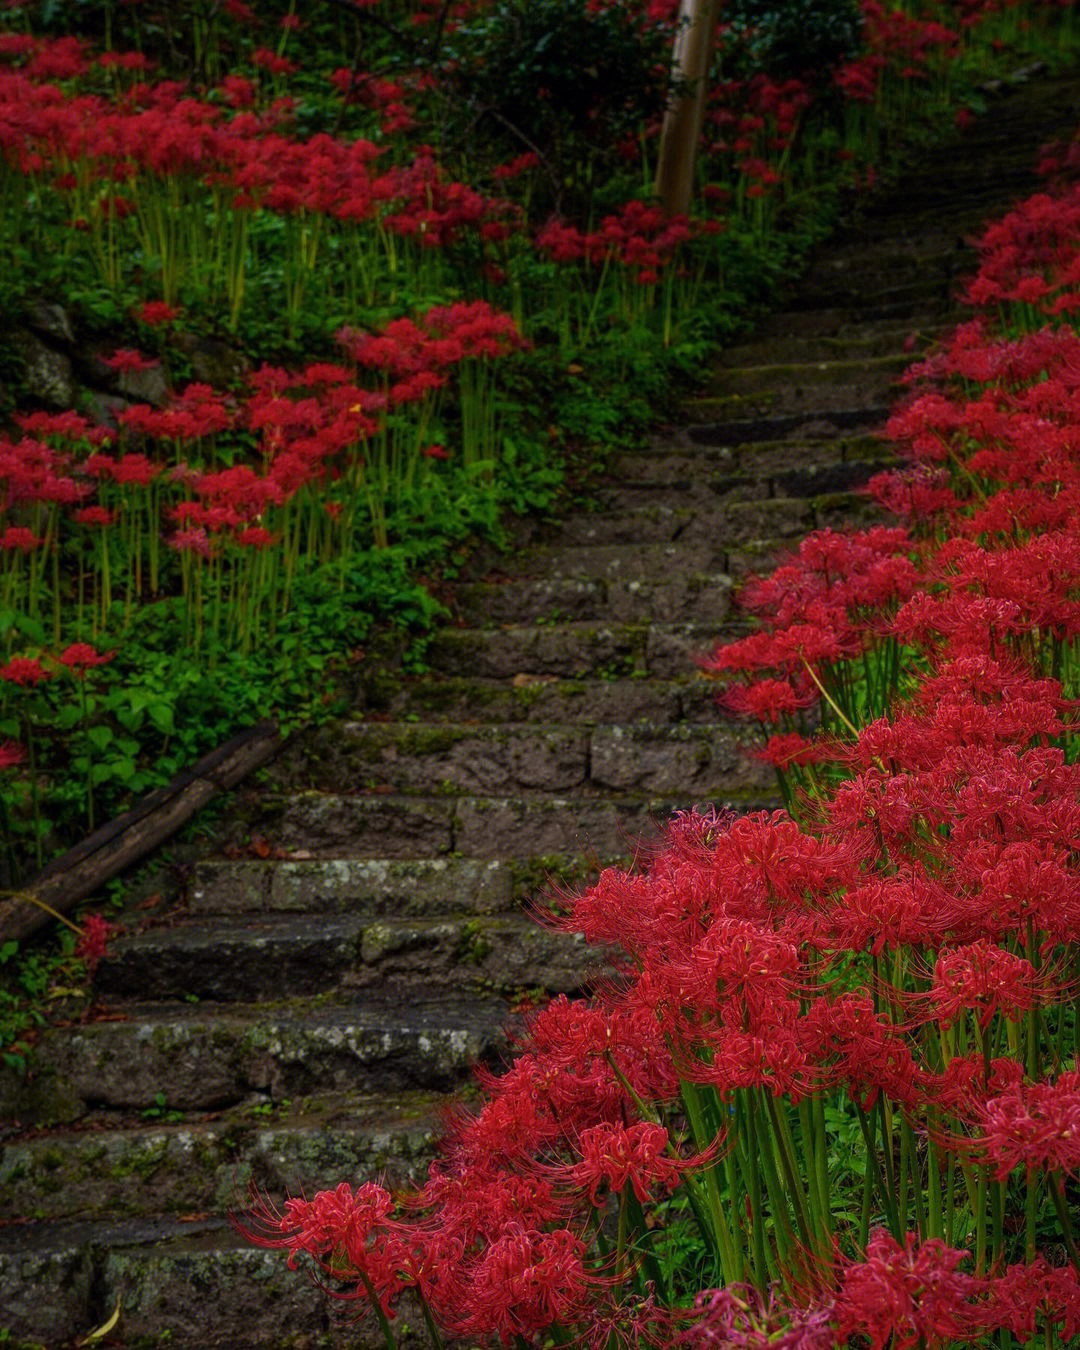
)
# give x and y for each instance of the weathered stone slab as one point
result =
(177, 1168)
(549, 699)
(206, 1058)
(369, 887)
(680, 596)
(693, 761)
(470, 759)
(363, 826)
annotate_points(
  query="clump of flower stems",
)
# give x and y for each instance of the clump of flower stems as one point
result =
(830, 1094)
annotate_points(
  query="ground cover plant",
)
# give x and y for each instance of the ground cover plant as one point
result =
(831, 1096)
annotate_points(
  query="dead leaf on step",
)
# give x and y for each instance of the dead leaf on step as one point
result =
(523, 680)
(101, 1331)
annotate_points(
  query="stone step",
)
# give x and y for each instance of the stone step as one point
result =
(236, 960)
(543, 600)
(372, 888)
(651, 563)
(718, 485)
(730, 518)
(576, 650)
(958, 181)
(724, 468)
(867, 299)
(808, 400)
(858, 342)
(324, 825)
(788, 475)
(201, 1164)
(207, 1056)
(824, 321)
(534, 758)
(649, 523)
(549, 699)
(733, 378)
(732, 430)
(903, 254)
(192, 1285)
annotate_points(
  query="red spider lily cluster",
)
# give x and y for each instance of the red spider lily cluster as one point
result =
(334, 446)
(894, 959)
(159, 178)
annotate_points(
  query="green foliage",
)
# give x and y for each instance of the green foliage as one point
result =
(559, 78)
(794, 38)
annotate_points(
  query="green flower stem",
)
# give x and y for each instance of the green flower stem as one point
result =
(885, 1193)
(785, 1234)
(1057, 1196)
(384, 1324)
(782, 1135)
(710, 1209)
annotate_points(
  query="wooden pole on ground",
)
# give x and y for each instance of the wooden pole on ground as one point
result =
(122, 842)
(683, 119)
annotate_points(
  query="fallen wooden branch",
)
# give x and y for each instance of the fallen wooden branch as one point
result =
(109, 850)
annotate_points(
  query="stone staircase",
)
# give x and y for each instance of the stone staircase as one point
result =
(301, 1014)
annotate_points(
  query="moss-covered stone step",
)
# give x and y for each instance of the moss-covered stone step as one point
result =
(180, 1166)
(856, 342)
(234, 960)
(547, 699)
(727, 514)
(794, 398)
(830, 321)
(205, 1057)
(652, 563)
(804, 476)
(648, 523)
(372, 887)
(576, 650)
(531, 758)
(391, 826)
(823, 379)
(724, 470)
(194, 1285)
(964, 184)
(794, 426)
(378, 888)
(873, 299)
(550, 600)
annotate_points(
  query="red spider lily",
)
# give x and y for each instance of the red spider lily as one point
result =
(859, 1048)
(617, 1156)
(94, 937)
(984, 979)
(521, 1283)
(1027, 1294)
(963, 1086)
(349, 1234)
(906, 1296)
(785, 750)
(11, 754)
(1033, 1125)
(157, 312)
(80, 657)
(739, 1317)
(94, 515)
(272, 62)
(26, 671)
(19, 538)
